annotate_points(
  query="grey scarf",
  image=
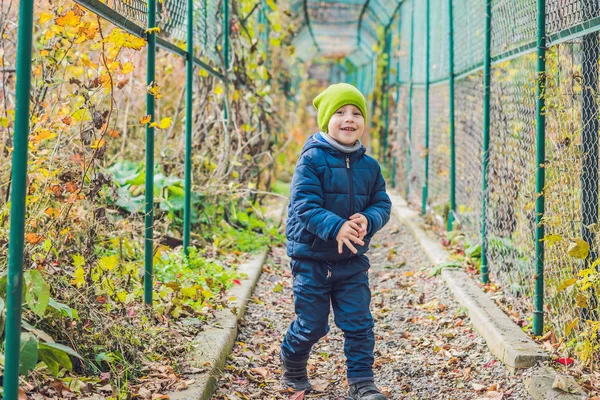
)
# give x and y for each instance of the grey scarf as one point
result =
(341, 147)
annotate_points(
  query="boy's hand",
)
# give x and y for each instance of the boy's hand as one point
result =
(363, 223)
(349, 232)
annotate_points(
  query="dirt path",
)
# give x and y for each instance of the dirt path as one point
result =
(425, 346)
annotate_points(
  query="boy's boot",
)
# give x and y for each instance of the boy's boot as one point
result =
(295, 375)
(365, 390)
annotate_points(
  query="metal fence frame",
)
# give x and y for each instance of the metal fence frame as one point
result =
(19, 156)
(539, 46)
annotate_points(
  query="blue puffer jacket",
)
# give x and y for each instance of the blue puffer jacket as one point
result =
(327, 188)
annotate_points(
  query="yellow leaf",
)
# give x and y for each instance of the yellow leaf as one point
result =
(108, 263)
(218, 89)
(4, 122)
(165, 123)
(154, 90)
(78, 261)
(98, 144)
(570, 327)
(203, 73)
(78, 277)
(112, 66)
(85, 61)
(45, 17)
(69, 19)
(206, 294)
(52, 212)
(123, 297)
(127, 68)
(145, 119)
(565, 284)
(189, 291)
(42, 134)
(551, 239)
(33, 238)
(156, 29)
(578, 248)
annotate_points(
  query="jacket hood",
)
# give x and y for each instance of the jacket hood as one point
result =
(313, 142)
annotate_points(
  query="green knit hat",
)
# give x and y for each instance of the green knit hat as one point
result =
(334, 97)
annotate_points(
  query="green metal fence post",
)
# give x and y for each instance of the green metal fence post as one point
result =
(487, 70)
(14, 293)
(540, 159)
(410, 98)
(427, 59)
(385, 100)
(149, 217)
(187, 211)
(226, 74)
(451, 117)
(394, 158)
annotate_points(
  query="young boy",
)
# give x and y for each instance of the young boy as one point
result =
(338, 202)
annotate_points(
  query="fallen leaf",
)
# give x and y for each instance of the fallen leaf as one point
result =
(566, 383)
(297, 396)
(477, 387)
(320, 385)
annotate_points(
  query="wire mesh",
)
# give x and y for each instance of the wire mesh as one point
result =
(572, 189)
(400, 139)
(469, 34)
(419, 42)
(439, 147)
(515, 23)
(469, 143)
(416, 172)
(171, 18)
(439, 40)
(511, 180)
(565, 14)
(404, 50)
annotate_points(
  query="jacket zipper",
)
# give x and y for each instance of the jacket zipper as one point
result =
(351, 185)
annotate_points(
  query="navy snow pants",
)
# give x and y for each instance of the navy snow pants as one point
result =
(344, 285)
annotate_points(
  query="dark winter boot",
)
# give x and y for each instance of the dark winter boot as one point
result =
(295, 375)
(365, 390)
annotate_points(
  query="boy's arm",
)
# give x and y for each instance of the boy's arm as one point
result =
(307, 194)
(380, 207)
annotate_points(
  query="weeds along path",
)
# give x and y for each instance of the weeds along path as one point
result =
(425, 348)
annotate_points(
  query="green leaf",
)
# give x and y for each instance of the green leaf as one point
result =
(63, 309)
(29, 353)
(63, 348)
(78, 261)
(38, 295)
(56, 356)
(436, 270)
(474, 251)
(37, 332)
(54, 359)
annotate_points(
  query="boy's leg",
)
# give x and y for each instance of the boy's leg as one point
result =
(312, 302)
(351, 300)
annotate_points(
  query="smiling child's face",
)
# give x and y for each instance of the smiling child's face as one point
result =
(346, 125)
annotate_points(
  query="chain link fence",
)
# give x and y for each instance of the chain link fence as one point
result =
(571, 116)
